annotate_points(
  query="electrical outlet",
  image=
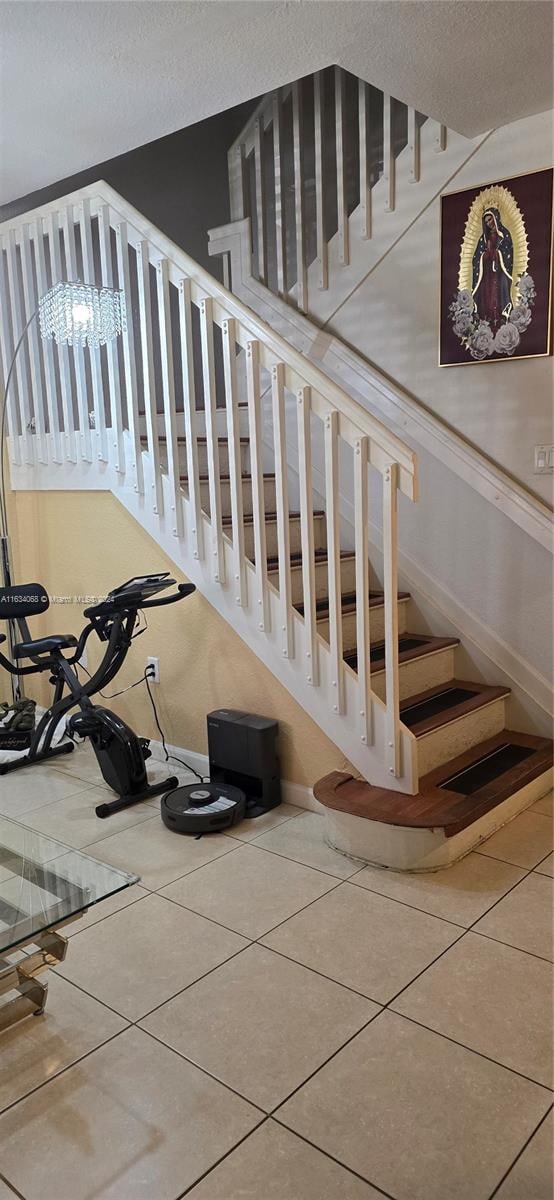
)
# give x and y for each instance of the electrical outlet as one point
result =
(154, 673)
(544, 460)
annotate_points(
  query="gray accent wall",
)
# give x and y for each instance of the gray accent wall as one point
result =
(178, 182)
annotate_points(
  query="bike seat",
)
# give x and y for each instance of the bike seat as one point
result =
(45, 645)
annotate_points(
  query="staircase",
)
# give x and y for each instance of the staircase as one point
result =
(230, 448)
(329, 171)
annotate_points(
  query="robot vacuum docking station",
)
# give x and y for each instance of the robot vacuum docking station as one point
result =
(244, 776)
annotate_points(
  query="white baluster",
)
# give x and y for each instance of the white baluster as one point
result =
(364, 117)
(414, 146)
(48, 350)
(89, 276)
(85, 441)
(235, 459)
(257, 478)
(129, 361)
(189, 406)
(237, 189)
(114, 388)
(297, 130)
(440, 137)
(361, 536)
(389, 163)
(63, 352)
(282, 506)
(390, 585)
(321, 240)
(168, 387)
(342, 210)
(30, 302)
(307, 534)
(210, 413)
(332, 498)
(13, 410)
(259, 179)
(148, 374)
(280, 231)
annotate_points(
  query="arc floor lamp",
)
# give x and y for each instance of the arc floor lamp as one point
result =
(71, 314)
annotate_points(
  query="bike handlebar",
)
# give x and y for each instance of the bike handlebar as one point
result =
(183, 589)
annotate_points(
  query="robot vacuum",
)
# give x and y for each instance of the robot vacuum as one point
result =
(202, 808)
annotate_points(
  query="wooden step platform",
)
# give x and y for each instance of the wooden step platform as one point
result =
(458, 805)
(440, 705)
(410, 647)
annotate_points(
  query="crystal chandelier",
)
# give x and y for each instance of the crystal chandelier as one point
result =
(79, 314)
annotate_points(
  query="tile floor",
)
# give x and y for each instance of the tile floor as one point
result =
(263, 1019)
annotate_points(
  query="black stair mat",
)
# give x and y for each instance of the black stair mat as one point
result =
(450, 698)
(487, 769)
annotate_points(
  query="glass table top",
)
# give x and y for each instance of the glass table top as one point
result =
(43, 882)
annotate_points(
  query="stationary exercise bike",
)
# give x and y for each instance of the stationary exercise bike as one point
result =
(120, 753)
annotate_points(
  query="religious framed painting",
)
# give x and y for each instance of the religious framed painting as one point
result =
(496, 271)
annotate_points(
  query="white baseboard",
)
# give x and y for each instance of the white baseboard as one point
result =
(292, 793)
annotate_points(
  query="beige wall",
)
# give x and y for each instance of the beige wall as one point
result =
(84, 543)
(392, 318)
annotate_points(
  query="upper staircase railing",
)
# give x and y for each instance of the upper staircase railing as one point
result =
(193, 360)
(314, 169)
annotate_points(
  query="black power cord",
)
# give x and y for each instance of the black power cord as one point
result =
(148, 675)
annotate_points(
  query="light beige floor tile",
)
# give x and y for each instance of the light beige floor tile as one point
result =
(532, 1177)
(247, 830)
(525, 917)
(274, 1164)
(417, 1115)
(74, 821)
(546, 867)
(544, 805)
(156, 854)
(32, 787)
(250, 890)
(523, 841)
(365, 941)
(82, 764)
(133, 1121)
(260, 1024)
(106, 908)
(38, 1048)
(492, 998)
(304, 843)
(144, 954)
(461, 893)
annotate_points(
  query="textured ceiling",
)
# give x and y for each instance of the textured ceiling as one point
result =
(83, 81)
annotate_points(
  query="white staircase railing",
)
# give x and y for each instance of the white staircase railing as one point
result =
(314, 168)
(120, 417)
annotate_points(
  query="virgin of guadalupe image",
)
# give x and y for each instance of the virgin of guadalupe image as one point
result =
(493, 270)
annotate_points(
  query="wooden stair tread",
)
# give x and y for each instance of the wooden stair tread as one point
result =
(270, 517)
(203, 441)
(436, 806)
(425, 644)
(375, 600)
(222, 478)
(320, 556)
(446, 702)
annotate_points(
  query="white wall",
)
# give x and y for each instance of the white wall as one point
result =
(393, 320)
